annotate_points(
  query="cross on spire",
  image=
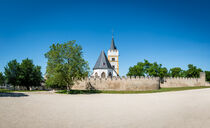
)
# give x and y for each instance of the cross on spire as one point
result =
(112, 33)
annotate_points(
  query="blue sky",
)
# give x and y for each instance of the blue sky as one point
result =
(174, 33)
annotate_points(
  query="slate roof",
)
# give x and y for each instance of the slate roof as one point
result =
(102, 62)
(113, 47)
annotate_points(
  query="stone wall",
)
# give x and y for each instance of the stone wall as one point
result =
(119, 84)
(185, 82)
(138, 83)
(181, 82)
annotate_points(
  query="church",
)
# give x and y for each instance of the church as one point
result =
(107, 67)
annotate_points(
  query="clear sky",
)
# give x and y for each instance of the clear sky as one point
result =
(171, 32)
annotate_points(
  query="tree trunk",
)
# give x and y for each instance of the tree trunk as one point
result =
(159, 82)
(27, 87)
(68, 89)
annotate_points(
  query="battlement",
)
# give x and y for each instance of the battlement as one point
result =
(119, 83)
(184, 82)
(139, 78)
(136, 83)
(180, 78)
(113, 52)
(122, 78)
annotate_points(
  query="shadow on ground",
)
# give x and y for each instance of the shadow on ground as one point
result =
(12, 94)
(79, 91)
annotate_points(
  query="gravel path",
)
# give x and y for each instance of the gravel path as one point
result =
(183, 109)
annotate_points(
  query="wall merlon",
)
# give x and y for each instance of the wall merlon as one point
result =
(137, 77)
(133, 78)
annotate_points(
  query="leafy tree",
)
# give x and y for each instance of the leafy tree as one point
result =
(65, 64)
(30, 75)
(207, 75)
(148, 69)
(176, 72)
(163, 72)
(156, 70)
(2, 78)
(141, 69)
(137, 70)
(192, 71)
(12, 71)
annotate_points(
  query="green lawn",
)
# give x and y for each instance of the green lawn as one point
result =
(28, 90)
(129, 92)
(9, 91)
(113, 92)
(5, 91)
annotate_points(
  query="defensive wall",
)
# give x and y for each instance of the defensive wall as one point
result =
(138, 83)
(184, 82)
(119, 83)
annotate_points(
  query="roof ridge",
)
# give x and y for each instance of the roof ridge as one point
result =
(102, 62)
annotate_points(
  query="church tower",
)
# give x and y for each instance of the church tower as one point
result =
(113, 56)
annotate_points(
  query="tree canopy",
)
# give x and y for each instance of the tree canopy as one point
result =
(65, 64)
(30, 75)
(2, 78)
(207, 75)
(192, 71)
(25, 74)
(176, 72)
(12, 72)
(148, 69)
(156, 70)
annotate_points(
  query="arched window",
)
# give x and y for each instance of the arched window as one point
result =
(113, 59)
(96, 74)
(103, 75)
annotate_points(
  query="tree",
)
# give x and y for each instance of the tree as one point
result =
(30, 75)
(65, 64)
(163, 72)
(176, 72)
(137, 70)
(156, 70)
(12, 71)
(148, 69)
(192, 71)
(207, 75)
(2, 78)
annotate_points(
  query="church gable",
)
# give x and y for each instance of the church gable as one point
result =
(102, 62)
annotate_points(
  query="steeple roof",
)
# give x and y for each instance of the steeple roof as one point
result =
(102, 62)
(113, 47)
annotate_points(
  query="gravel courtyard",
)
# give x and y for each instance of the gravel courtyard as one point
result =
(186, 109)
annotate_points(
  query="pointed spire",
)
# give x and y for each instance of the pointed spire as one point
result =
(112, 33)
(102, 62)
(113, 47)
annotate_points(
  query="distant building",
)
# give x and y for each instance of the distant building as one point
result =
(107, 67)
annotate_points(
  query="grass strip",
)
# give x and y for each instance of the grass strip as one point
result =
(130, 92)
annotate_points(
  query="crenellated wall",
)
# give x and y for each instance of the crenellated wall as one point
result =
(119, 83)
(181, 82)
(138, 83)
(184, 82)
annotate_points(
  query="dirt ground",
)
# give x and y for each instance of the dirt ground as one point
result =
(183, 109)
